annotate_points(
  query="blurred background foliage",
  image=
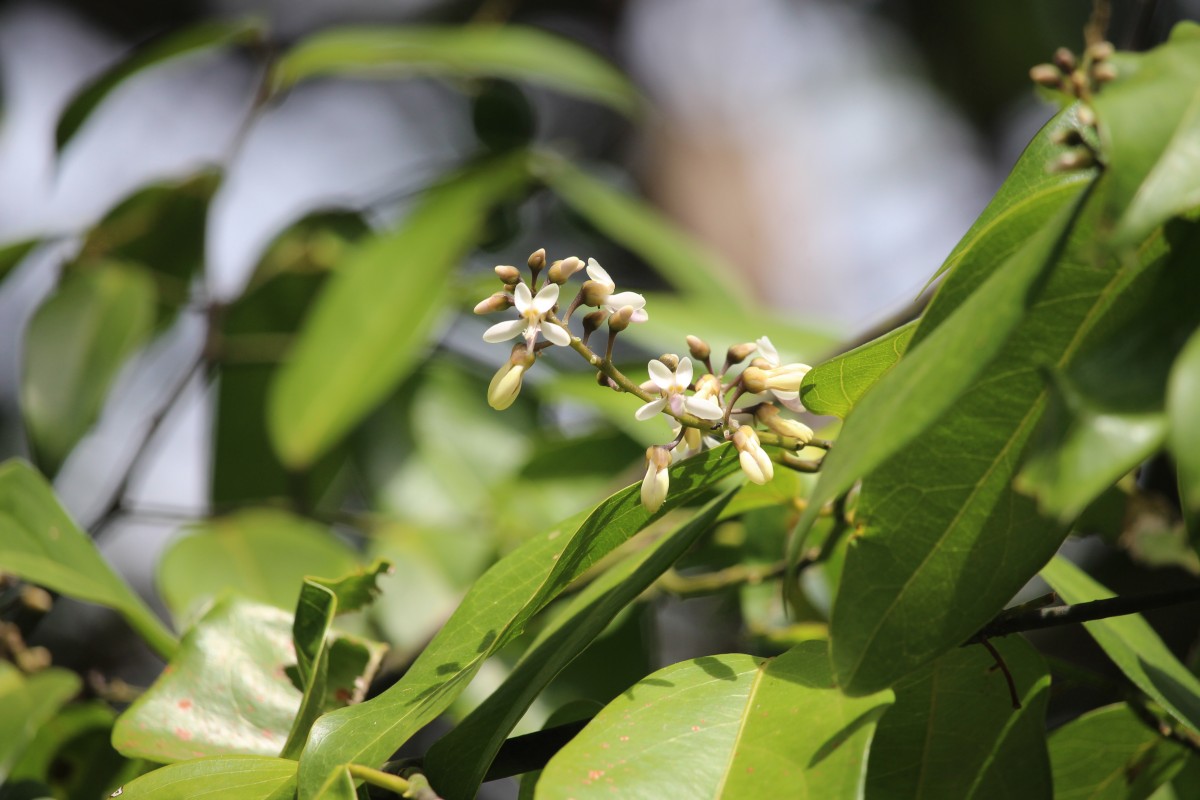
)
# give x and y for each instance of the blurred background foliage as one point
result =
(238, 269)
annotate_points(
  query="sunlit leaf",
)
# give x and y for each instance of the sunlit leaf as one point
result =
(40, 543)
(729, 726)
(509, 51)
(226, 777)
(953, 731)
(27, 703)
(494, 612)
(75, 345)
(834, 386)
(1110, 754)
(457, 763)
(1132, 645)
(199, 37)
(369, 326)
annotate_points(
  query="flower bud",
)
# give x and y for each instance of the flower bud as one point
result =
(1064, 59)
(620, 320)
(1077, 158)
(670, 359)
(506, 383)
(754, 379)
(561, 271)
(657, 479)
(754, 460)
(738, 353)
(537, 259)
(594, 293)
(708, 387)
(1046, 75)
(1103, 73)
(698, 348)
(1070, 137)
(593, 321)
(1101, 51)
(787, 378)
(1086, 116)
(775, 422)
(497, 302)
(509, 276)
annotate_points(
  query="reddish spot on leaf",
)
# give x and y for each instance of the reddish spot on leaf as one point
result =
(695, 728)
(624, 738)
(749, 770)
(185, 735)
(184, 705)
(267, 733)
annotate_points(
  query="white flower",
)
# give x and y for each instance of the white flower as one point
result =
(783, 380)
(533, 312)
(611, 302)
(754, 460)
(672, 385)
(656, 481)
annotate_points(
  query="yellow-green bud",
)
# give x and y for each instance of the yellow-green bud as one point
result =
(1086, 116)
(509, 276)
(593, 293)
(1046, 75)
(698, 348)
(593, 321)
(657, 480)
(754, 379)
(670, 360)
(506, 383)
(497, 302)
(561, 271)
(754, 460)
(537, 259)
(620, 320)
(770, 417)
(738, 353)
(1103, 73)
(1101, 51)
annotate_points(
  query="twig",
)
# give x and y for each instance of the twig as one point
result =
(1035, 619)
(685, 586)
(1008, 678)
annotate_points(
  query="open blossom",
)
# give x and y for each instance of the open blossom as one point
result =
(672, 385)
(603, 293)
(781, 380)
(754, 460)
(533, 311)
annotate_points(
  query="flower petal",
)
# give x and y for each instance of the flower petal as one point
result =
(546, 298)
(621, 299)
(768, 351)
(662, 376)
(649, 410)
(503, 331)
(704, 409)
(522, 298)
(556, 334)
(598, 274)
(639, 315)
(683, 373)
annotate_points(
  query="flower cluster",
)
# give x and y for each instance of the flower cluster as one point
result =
(746, 409)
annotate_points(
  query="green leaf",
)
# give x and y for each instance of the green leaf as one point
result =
(225, 692)
(494, 612)
(261, 554)
(224, 777)
(953, 731)
(919, 390)
(643, 230)
(509, 51)
(27, 703)
(1132, 645)
(13, 254)
(945, 506)
(40, 543)
(357, 589)
(1109, 754)
(369, 325)
(725, 726)
(181, 43)
(1097, 429)
(1149, 126)
(1183, 436)
(457, 763)
(72, 753)
(76, 343)
(836, 385)
(574, 711)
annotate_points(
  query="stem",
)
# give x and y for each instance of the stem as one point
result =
(384, 780)
(1008, 678)
(685, 586)
(1017, 620)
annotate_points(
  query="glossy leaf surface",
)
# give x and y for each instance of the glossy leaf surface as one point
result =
(953, 732)
(190, 40)
(40, 543)
(1132, 645)
(224, 777)
(834, 386)
(729, 726)
(1109, 754)
(457, 763)
(509, 51)
(75, 345)
(493, 613)
(369, 325)
(261, 554)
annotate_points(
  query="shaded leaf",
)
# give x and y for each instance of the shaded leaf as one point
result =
(226, 777)
(261, 554)
(724, 726)
(72, 754)
(954, 734)
(368, 326)
(1132, 645)
(75, 345)
(834, 386)
(40, 543)
(494, 612)
(204, 36)
(1106, 413)
(457, 763)
(13, 254)
(1183, 436)
(643, 230)
(509, 51)
(1149, 125)
(27, 703)
(1109, 754)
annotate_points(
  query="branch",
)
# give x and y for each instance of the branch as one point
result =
(1023, 619)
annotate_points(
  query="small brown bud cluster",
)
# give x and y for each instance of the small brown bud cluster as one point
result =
(1081, 78)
